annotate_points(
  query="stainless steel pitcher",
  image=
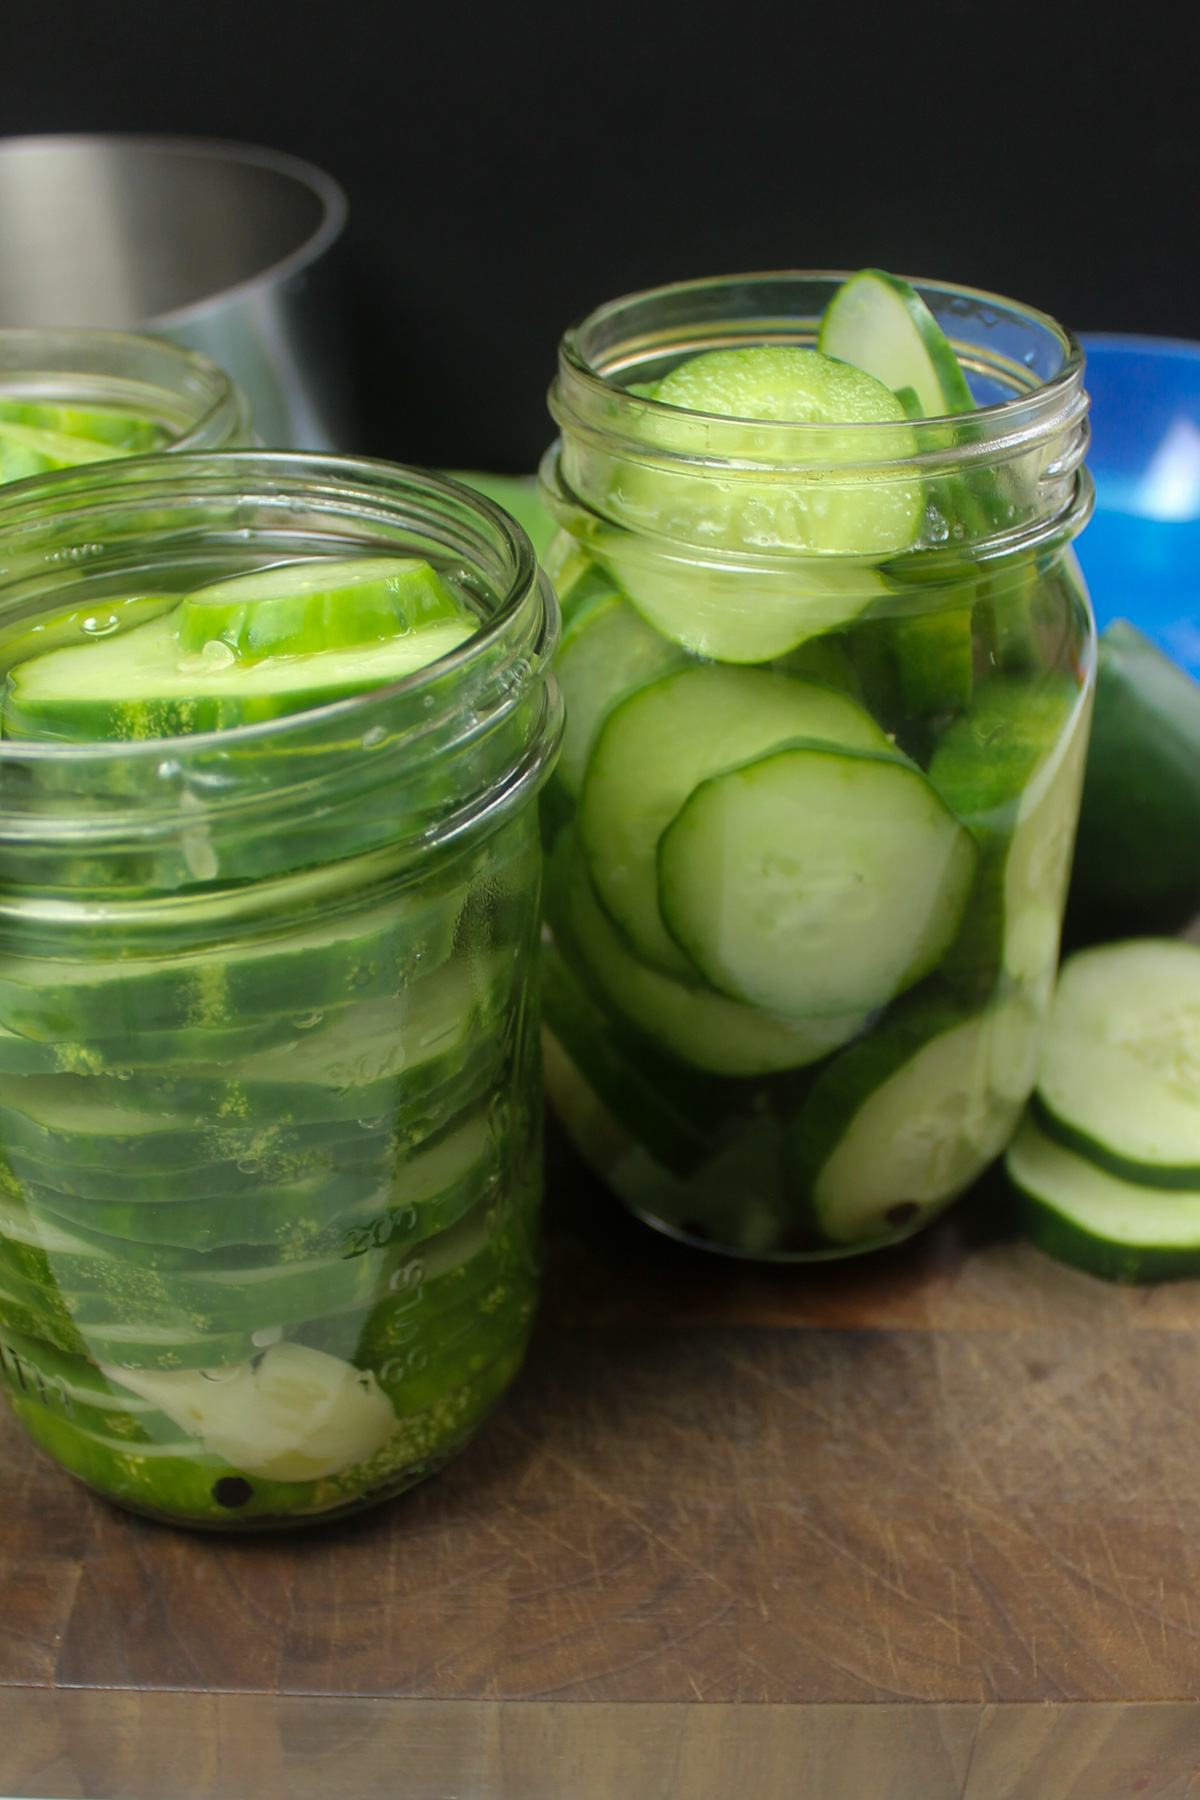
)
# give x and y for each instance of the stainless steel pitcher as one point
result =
(227, 248)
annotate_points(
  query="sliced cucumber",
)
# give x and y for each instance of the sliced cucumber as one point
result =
(900, 1124)
(1137, 861)
(935, 654)
(297, 608)
(881, 324)
(780, 382)
(816, 880)
(658, 745)
(984, 768)
(48, 449)
(111, 425)
(741, 615)
(694, 1024)
(1084, 1215)
(1120, 1072)
(360, 956)
(607, 652)
(142, 685)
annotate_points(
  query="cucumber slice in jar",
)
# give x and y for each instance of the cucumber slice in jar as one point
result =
(133, 433)
(816, 880)
(143, 685)
(702, 1028)
(607, 652)
(899, 1124)
(662, 742)
(1085, 1215)
(1120, 1069)
(834, 523)
(298, 608)
(880, 323)
(984, 769)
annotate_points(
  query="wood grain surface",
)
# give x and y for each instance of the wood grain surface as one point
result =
(925, 1523)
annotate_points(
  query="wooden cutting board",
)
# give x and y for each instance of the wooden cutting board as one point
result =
(920, 1525)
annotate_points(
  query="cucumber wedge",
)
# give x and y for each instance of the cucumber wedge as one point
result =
(983, 769)
(607, 652)
(143, 685)
(900, 1124)
(297, 608)
(1120, 1072)
(815, 880)
(881, 324)
(1084, 1215)
(657, 746)
(702, 1028)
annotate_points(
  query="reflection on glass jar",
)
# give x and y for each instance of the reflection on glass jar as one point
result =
(828, 690)
(269, 1076)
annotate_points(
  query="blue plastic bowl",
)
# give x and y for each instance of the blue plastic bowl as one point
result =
(1141, 551)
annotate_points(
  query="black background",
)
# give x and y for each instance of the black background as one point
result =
(511, 165)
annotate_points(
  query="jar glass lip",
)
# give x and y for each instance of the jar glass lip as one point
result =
(593, 349)
(39, 515)
(216, 409)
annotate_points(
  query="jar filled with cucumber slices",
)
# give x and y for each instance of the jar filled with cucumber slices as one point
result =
(272, 728)
(828, 660)
(70, 396)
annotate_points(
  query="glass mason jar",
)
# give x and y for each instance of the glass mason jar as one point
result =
(70, 396)
(810, 831)
(270, 1087)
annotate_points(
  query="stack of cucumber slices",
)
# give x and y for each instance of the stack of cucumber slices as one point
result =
(810, 829)
(39, 436)
(1107, 1159)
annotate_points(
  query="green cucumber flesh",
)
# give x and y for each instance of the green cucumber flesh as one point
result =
(737, 615)
(1085, 1215)
(1006, 770)
(815, 880)
(607, 652)
(1120, 1072)
(657, 746)
(779, 382)
(700, 1027)
(54, 449)
(900, 1124)
(299, 608)
(879, 323)
(143, 685)
(112, 426)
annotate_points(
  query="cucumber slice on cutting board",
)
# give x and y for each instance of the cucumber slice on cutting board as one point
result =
(297, 608)
(1137, 859)
(660, 744)
(899, 1124)
(142, 685)
(705, 1029)
(607, 651)
(1083, 1214)
(816, 880)
(1120, 1073)
(880, 323)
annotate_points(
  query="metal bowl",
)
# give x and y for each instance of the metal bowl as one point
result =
(227, 248)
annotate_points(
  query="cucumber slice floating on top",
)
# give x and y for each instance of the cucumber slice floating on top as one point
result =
(880, 324)
(143, 685)
(297, 608)
(779, 382)
(816, 880)
(1120, 1072)
(658, 745)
